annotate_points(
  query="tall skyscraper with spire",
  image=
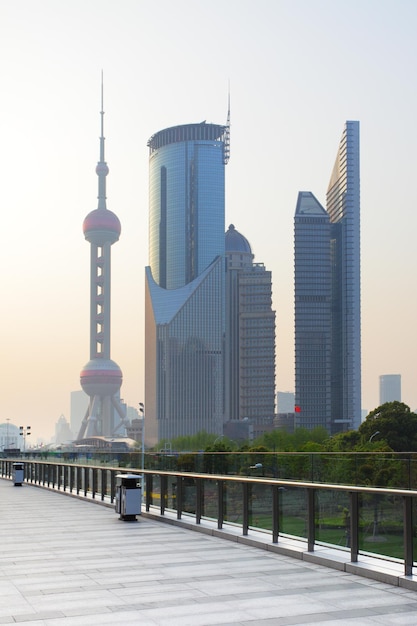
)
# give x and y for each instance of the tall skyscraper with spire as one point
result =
(327, 297)
(184, 301)
(101, 378)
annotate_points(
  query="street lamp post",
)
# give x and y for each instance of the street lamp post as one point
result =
(24, 432)
(142, 410)
(7, 434)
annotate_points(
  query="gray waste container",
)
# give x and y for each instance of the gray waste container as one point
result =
(18, 473)
(128, 497)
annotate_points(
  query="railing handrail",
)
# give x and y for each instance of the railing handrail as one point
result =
(91, 480)
(240, 478)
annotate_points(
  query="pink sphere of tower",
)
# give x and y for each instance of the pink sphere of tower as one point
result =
(101, 377)
(101, 226)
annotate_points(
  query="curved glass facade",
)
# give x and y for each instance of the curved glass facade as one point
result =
(186, 202)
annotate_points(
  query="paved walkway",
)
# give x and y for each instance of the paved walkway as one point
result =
(64, 561)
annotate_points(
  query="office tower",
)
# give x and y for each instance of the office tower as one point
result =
(312, 313)
(184, 301)
(249, 338)
(389, 388)
(101, 378)
(327, 297)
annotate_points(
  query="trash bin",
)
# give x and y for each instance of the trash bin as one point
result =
(18, 473)
(128, 497)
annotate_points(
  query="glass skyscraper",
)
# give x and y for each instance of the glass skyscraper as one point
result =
(327, 297)
(184, 309)
(250, 337)
(312, 313)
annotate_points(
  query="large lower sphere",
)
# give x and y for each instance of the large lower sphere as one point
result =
(101, 377)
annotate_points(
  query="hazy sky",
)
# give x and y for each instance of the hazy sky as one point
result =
(297, 70)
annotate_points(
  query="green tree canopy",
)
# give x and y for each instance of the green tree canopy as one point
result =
(394, 423)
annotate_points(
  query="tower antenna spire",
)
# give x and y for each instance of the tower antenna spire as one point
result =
(102, 169)
(227, 132)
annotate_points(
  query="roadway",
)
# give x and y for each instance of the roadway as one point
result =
(69, 562)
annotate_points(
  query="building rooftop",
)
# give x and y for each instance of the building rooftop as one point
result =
(236, 242)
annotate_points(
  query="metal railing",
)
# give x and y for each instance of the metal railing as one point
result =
(377, 469)
(358, 520)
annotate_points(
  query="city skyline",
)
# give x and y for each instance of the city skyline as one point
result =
(297, 71)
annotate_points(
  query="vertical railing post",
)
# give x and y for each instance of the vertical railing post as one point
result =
(148, 478)
(198, 500)
(163, 482)
(112, 486)
(103, 472)
(311, 518)
(179, 496)
(220, 503)
(94, 482)
(245, 496)
(353, 527)
(408, 535)
(275, 513)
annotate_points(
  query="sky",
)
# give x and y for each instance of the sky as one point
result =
(297, 70)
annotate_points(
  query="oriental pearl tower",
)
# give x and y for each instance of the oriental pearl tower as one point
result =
(101, 378)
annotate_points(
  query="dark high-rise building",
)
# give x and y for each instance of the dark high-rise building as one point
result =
(327, 297)
(184, 308)
(312, 313)
(250, 337)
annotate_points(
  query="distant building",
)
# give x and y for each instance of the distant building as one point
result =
(79, 402)
(239, 430)
(284, 421)
(389, 388)
(63, 433)
(327, 297)
(9, 436)
(134, 430)
(285, 402)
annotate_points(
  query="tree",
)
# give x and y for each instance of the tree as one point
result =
(344, 442)
(394, 423)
